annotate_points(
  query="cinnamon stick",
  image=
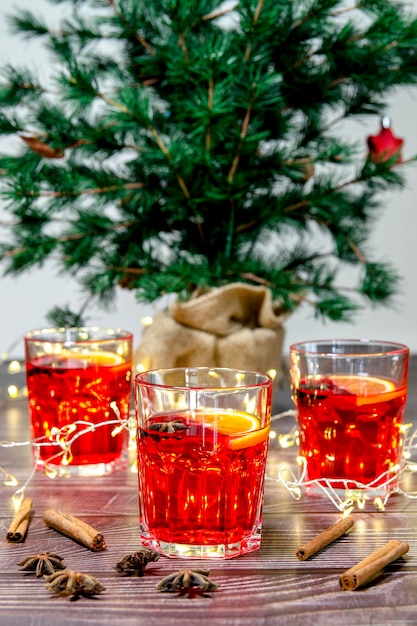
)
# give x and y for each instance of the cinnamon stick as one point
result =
(75, 529)
(363, 571)
(20, 522)
(324, 538)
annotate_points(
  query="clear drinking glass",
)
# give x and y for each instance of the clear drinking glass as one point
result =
(202, 441)
(350, 396)
(79, 390)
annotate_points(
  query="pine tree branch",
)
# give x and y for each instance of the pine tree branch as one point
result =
(87, 302)
(246, 120)
(255, 279)
(137, 35)
(114, 104)
(258, 10)
(359, 254)
(64, 238)
(169, 158)
(210, 108)
(182, 45)
(360, 37)
(356, 7)
(156, 137)
(297, 205)
(346, 9)
(127, 270)
(219, 13)
(243, 133)
(341, 186)
(83, 192)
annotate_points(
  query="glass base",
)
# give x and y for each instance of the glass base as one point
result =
(205, 551)
(86, 470)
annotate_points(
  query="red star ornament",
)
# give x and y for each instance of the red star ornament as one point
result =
(385, 145)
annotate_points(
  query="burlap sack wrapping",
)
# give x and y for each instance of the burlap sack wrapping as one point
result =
(233, 326)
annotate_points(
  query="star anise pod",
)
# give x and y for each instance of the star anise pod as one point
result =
(135, 563)
(42, 563)
(75, 584)
(187, 578)
(168, 427)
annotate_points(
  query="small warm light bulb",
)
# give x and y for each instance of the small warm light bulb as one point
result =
(13, 391)
(361, 503)
(296, 492)
(14, 367)
(50, 472)
(68, 430)
(147, 320)
(48, 348)
(17, 500)
(347, 511)
(346, 504)
(140, 367)
(67, 458)
(10, 481)
(379, 504)
(286, 441)
(132, 435)
(404, 428)
(272, 373)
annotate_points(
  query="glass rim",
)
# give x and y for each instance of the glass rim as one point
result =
(45, 335)
(140, 380)
(392, 348)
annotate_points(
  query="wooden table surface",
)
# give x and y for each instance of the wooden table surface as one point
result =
(267, 587)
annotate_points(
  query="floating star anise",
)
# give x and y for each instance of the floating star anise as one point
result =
(168, 427)
(187, 578)
(135, 563)
(76, 584)
(42, 563)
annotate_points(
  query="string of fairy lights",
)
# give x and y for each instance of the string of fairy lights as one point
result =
(352, 495)
(349, 494)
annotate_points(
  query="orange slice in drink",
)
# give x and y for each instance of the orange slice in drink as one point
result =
(101, 359)
(250, 439)
(244, 429)
(367, 389)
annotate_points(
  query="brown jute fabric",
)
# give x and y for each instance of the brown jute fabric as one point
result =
(234, 326)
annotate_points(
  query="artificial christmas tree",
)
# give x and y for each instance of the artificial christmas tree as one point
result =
(183, 146)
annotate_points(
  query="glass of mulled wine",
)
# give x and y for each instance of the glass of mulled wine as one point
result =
(202, 442)
(350, 397)
(79, 391)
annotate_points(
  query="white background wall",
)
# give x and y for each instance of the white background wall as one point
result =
(24, 301)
